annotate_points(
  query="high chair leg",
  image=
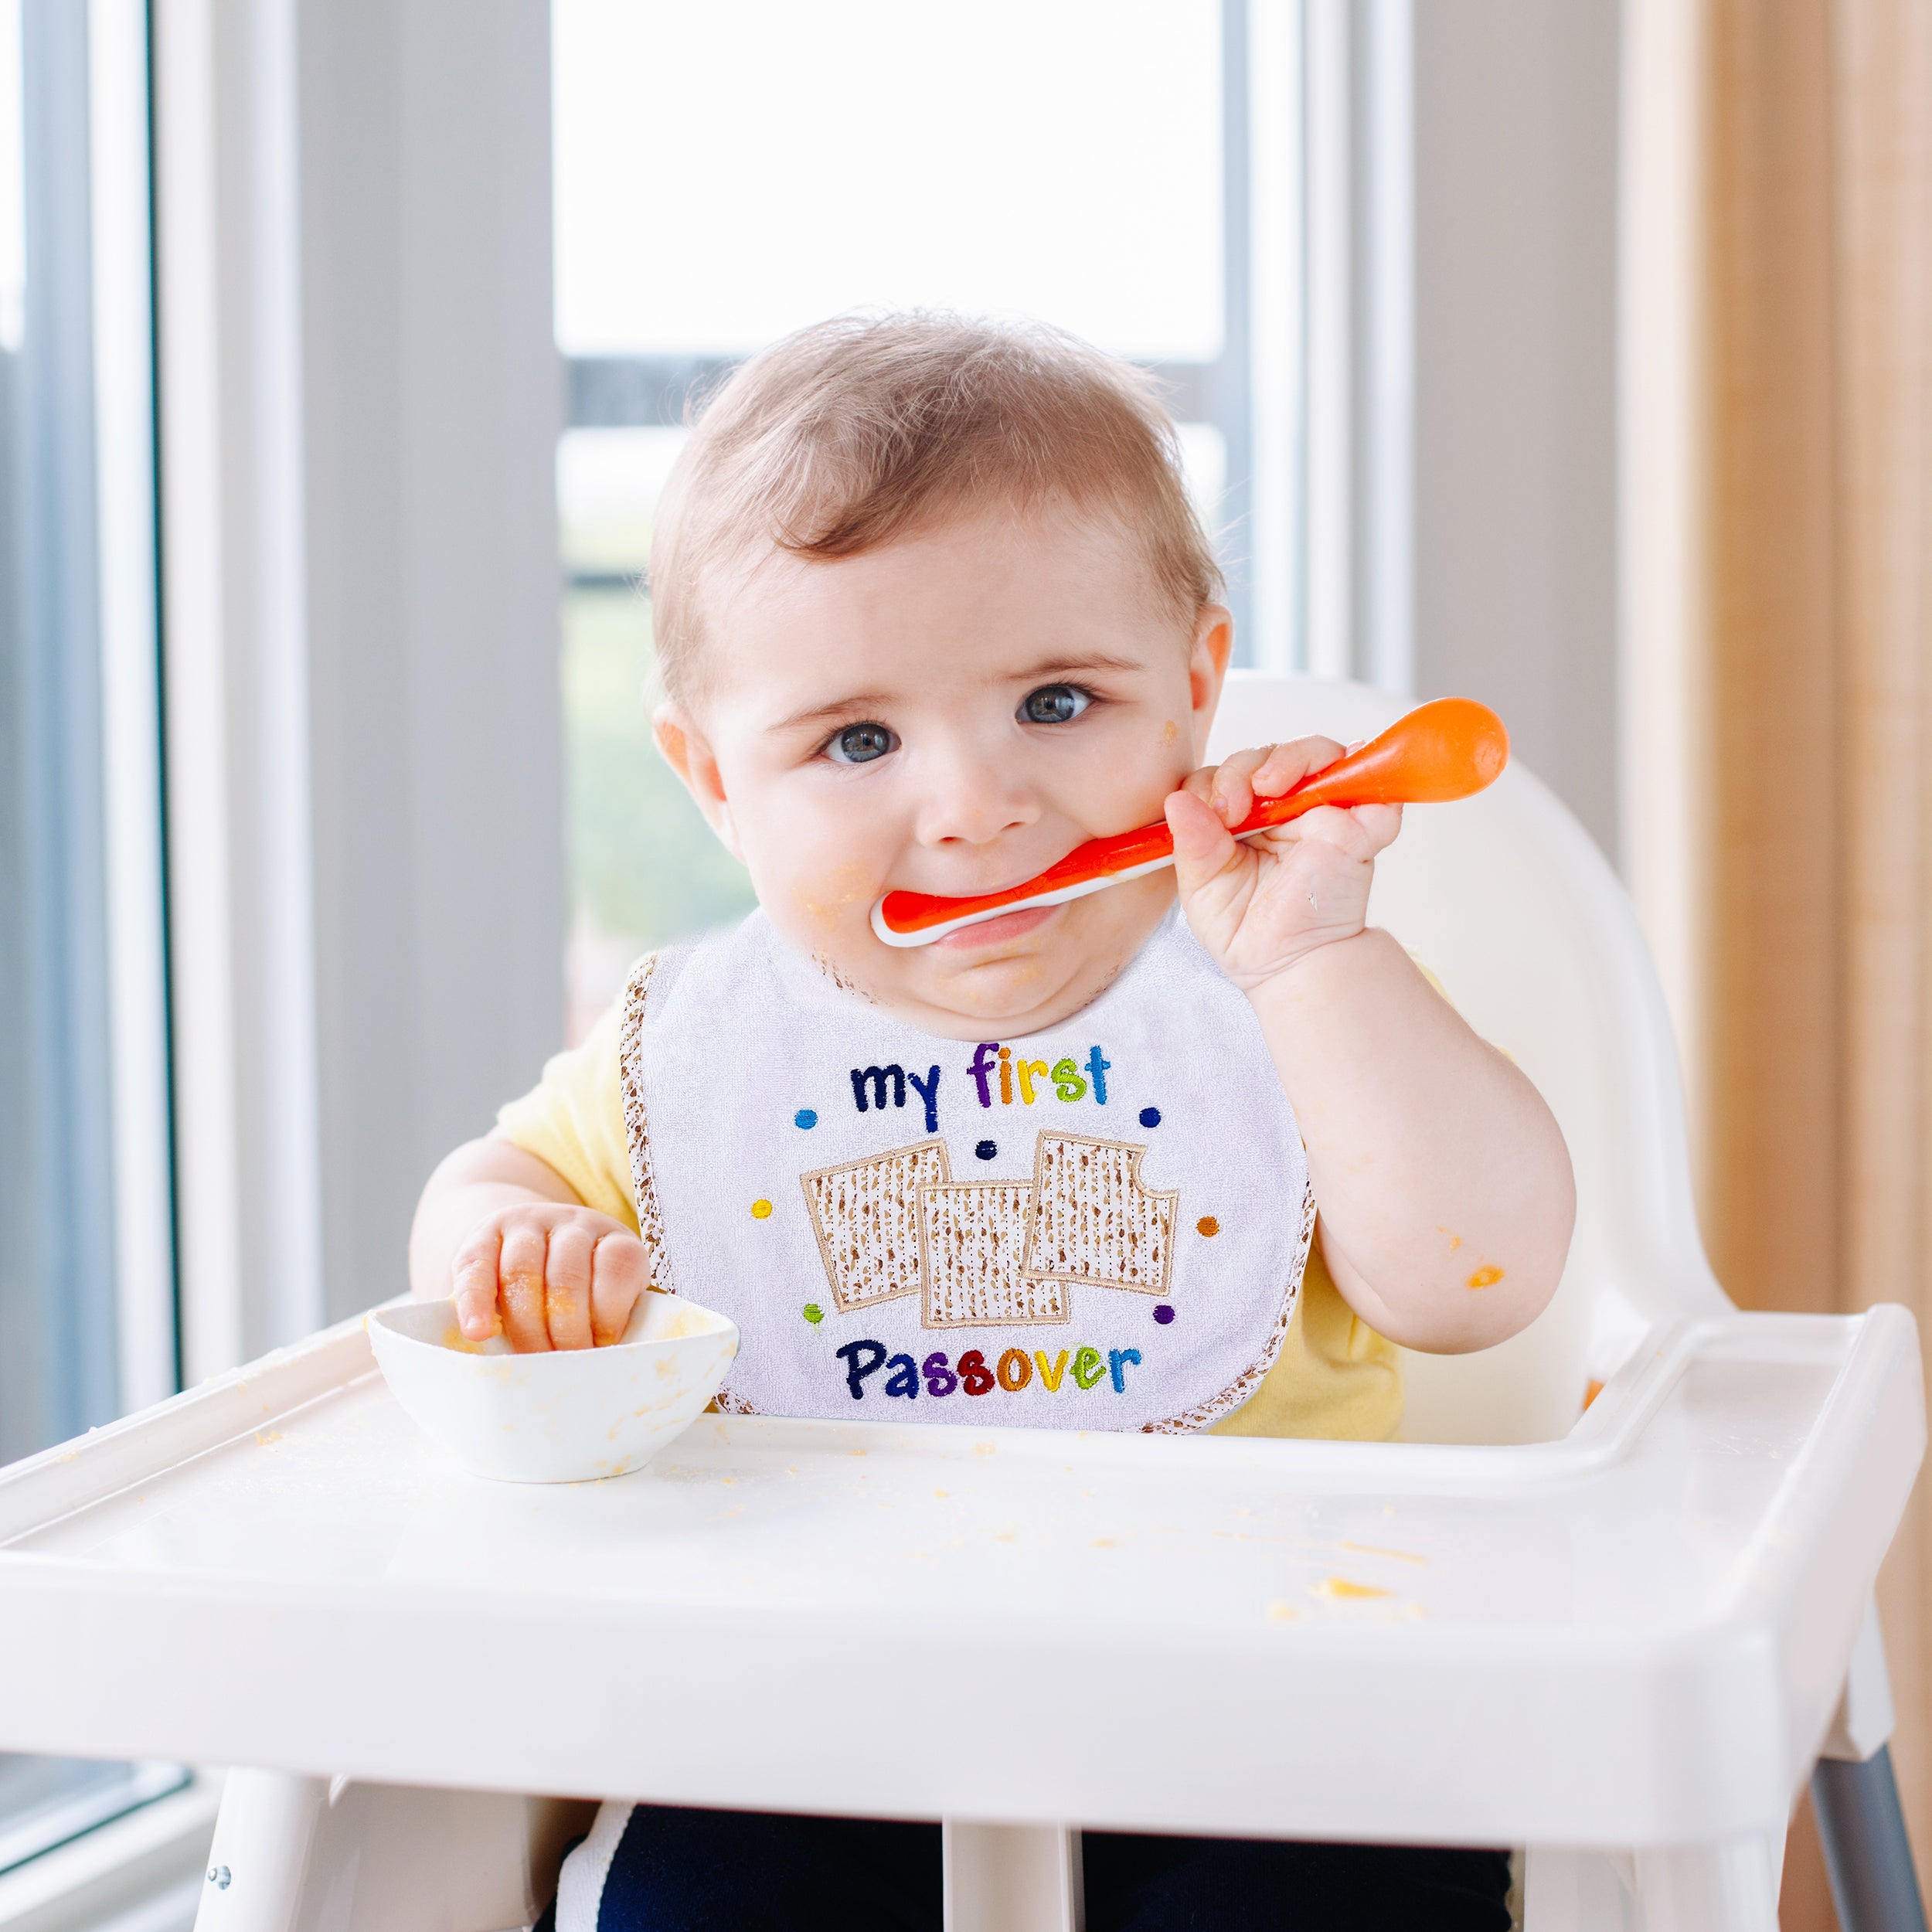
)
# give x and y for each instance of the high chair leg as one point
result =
(1867, 1855)
(265, 1838)
(1572, 1891)
(308, 1854)
(1012, 1878)
(1710, 1888)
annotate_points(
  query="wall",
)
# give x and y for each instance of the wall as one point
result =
(360, 396)
(1515, 215)
(434, 400)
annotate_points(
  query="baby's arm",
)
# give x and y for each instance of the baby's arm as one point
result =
(1444, 1188)
(500, 1230)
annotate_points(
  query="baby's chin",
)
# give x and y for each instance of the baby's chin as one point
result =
(1011, 975)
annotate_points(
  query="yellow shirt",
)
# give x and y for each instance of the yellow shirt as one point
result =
(1335, 1377)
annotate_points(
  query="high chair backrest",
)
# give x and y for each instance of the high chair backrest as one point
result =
(1507, 901)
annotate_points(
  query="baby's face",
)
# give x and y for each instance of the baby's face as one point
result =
(951, 714)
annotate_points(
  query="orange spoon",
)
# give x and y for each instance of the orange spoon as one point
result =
(1450, 749)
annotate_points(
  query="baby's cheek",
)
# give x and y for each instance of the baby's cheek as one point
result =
(829, 897)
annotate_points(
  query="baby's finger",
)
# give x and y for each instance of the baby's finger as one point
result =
(1337, 827)
(1233, 794)
(473, 1273)
(566, 1283)
(1203, 847)
(1379, 824)
(1287, 765)
(1200, 785)
(521, 1272)
(617, 1279)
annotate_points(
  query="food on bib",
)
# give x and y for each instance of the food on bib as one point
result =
(1095, 1221)
(972, 1248)
(866, 1215)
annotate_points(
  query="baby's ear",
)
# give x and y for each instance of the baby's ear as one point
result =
(688, 752)
(1207, 658)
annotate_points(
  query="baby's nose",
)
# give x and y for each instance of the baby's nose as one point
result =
(975, 802)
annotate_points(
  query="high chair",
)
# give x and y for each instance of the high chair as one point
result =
(1526, 925)
(1617, 1633)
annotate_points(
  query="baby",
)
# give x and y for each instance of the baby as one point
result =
(932, 608)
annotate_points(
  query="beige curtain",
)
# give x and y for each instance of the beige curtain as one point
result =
(1777, 512)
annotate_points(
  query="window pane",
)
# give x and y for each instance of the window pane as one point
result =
(645, 867)
(727, 173)
(57, 1301)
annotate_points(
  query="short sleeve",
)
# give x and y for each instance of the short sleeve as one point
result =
(1335, 1377)
(573, 1120)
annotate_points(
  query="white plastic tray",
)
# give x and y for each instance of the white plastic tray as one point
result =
(1636, 1636)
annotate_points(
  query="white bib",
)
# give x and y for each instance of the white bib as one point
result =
(1102, 1226)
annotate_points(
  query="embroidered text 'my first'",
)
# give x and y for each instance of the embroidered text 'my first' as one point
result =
(1068, 1079)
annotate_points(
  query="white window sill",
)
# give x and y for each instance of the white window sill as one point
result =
(139, 1873)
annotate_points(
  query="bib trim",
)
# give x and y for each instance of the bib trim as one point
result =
(637, 1135)
(637, 1129)
(1240, 1391)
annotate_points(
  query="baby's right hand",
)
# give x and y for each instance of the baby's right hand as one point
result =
(562, 1277)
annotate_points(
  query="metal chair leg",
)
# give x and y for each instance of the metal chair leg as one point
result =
(1867, 1855)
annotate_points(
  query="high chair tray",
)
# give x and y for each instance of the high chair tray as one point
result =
(1636, 1635)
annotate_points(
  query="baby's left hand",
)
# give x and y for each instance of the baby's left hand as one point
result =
(1260, 904)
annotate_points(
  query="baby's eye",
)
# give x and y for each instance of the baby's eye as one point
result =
(858, 744)
(1054, 704)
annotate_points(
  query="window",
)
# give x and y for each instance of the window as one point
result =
(86, 1310)
(724, 175)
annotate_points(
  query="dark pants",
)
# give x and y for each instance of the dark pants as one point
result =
(688, 1871)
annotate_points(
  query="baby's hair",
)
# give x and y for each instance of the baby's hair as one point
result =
(857, 431)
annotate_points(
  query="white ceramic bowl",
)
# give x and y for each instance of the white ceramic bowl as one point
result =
(571, 1416)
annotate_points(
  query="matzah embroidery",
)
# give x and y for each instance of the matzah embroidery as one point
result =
(972, 1244)
(1095, 1221)
(866, 1215)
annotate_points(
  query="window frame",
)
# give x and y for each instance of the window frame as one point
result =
(85, 673)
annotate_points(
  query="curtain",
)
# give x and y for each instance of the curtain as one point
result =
(1777, 663)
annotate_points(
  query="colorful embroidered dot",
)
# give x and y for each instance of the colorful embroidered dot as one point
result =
(986, 1150)
(1163, 1314)
(1207, 1225)
(814, 1313)
(805, 1116)
(1150, 1117)
(761, 1210)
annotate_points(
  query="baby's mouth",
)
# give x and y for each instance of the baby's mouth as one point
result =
(994, 932)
